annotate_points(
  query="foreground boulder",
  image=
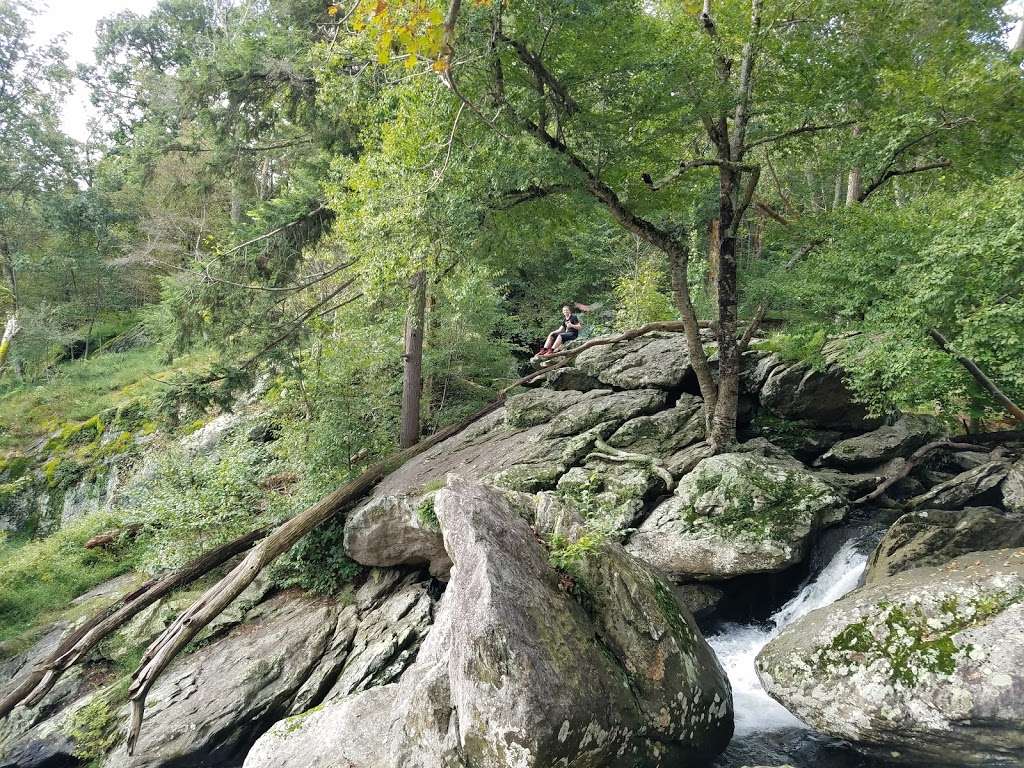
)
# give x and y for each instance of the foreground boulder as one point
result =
(734, 514)
(515, 672)
(936, 536)
(925, 667)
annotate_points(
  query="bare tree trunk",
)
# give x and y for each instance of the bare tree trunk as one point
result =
(412, 380)
(714, 243)
(853, 189)
(10, 329)
(723, 427)
(837, 197)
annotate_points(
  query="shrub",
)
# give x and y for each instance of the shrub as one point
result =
(318, 562)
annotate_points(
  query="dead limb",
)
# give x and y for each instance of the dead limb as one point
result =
(979, 376)
(908, 466)
(76, 645)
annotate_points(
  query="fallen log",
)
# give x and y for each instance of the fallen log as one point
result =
(908, 466)
(77, 643)
(182, 631)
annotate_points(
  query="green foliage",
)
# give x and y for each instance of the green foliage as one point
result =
(40, 577)
(81, 389)
(571, 554)
(192, 503)
(427, 515)
(95, 728)
(641, 294)
(797, 347)
(318, 562)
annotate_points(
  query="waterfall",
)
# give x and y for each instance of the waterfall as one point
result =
(737, 645)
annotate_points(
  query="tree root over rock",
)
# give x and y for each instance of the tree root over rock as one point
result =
(608, 453)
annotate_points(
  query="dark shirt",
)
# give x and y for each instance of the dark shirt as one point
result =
(565, 324)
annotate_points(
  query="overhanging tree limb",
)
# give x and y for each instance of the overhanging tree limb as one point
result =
(990, 386)
(894, 172)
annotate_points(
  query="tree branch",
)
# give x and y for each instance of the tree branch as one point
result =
(689, 165)
(805, 128)
(979, 376)
(894, 172)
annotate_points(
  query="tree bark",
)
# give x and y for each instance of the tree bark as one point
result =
(853, 188)
(10, 329)
(723, 426)
(412, 380)
(714, 244)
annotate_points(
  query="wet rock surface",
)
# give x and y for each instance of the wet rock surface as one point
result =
(923, 667)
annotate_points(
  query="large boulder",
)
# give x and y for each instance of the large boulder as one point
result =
(1012, 489)
(516, 672)
(657, 360)
(901, 439)
(734, 514)
(975, 486)
(396, 530)
(800, 391)
(664, 433)
(936, 536)
(925, 667)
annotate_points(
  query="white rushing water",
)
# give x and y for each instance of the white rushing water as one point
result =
(737, 645)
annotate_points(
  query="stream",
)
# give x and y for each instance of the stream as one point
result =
(767, 733)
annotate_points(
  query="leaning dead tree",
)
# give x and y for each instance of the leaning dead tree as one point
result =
(31, 687)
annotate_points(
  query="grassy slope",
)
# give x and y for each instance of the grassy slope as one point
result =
(80, 389)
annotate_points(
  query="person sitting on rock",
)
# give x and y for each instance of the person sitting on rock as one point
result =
(566, 332)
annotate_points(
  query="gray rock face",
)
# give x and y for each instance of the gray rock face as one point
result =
(657, 360)
(734, 514)
(396, 530)
(529, 444)
(516, 673)
(1012, 489)
(267, 659)
(923, 667)
(935, 536)
(965, 488)
(797, 391)
(664, 433)
(214, 702)
(888, 442)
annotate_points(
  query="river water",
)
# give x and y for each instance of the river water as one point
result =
(766, 733)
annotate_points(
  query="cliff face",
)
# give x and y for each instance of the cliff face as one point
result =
(523, 602)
